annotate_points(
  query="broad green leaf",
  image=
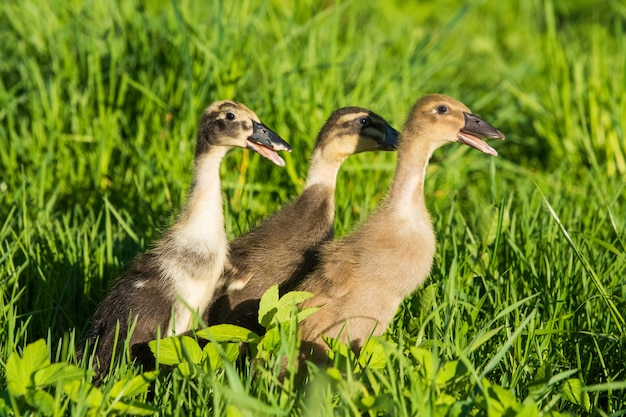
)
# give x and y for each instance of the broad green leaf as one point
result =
(294, 298)
(504, 396)
(231, 351)
(450, 372)
(215, 359)
(284, 313)
(500, 400)
(80, 392)
(17, 375)
(185, 368)
(191, 349)
(36, 355)
(271, 340)
(174, 350)
(133, 386)
(52, 374)
(573, 391)
(268, 306)
(306, 312)
(19, 370)
(40, 400)
(372, 355)
(288, 305)
(426, 360)
(227, 333)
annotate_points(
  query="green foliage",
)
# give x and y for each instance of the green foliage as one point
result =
(524, 311)
(36, 385)
(277, 314)
(274, 310)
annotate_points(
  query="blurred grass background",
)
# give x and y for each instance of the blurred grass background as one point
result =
(98, 108)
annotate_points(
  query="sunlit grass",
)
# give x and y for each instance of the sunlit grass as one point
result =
(98, 109)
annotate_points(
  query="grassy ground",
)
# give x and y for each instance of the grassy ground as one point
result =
(524, 312)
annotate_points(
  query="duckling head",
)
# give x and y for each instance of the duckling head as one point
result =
(231, 124)
(352, 130)
(442, 119)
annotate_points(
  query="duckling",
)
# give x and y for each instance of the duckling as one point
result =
(283, 248)
(361, 279)
(178, 275)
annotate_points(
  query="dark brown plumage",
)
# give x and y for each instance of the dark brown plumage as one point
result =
(283, 248)
(362, 279)
(165, 286)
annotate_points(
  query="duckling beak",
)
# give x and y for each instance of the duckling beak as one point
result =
(391, 139)
(266, 142)
(476, 128)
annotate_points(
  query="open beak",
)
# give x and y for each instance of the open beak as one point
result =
(391, 139)
(266, 142)
(476, 128)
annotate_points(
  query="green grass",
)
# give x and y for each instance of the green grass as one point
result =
(524, 312)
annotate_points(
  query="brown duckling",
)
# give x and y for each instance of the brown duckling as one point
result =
(283, 248)
(178, 276)
(361, 279)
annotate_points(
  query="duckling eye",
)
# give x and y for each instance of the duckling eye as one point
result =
(442, 109)
(230, 116)
(364, 121)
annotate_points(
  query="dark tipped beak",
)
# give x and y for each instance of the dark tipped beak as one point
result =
(392, 136)
(266, 142)
(264, 136)
(476, 128)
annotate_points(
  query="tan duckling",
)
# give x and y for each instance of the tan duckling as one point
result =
(179, 274)
(362, 279)
(283, 248)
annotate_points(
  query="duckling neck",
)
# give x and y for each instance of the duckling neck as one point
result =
(194, 251)
(407, 189)
(323, 170)
(202, 217)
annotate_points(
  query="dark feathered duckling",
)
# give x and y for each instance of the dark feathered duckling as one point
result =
(178, 276)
